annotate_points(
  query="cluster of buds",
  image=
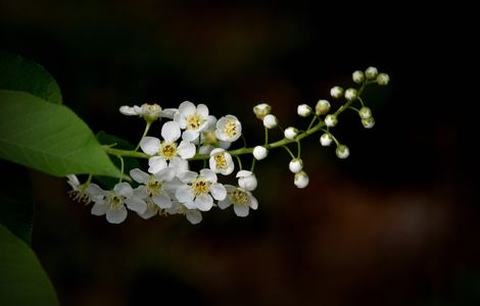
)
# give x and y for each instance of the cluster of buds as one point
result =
(189, 135)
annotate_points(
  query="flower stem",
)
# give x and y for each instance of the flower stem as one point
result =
(147, 128)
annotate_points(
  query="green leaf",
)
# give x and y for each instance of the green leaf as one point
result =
(49, 137)
(22, 279)
(16, 202)
(20, 74)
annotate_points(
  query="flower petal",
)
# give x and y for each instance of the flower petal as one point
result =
(128, 110)
(209, 175)
(218, 191)
(190, 135)
(186, 108)
(253, 202)
(123, 189)
(117, 216)
(156, 164)
(225, 203)
(166, 175)
(99, 208)
(184, 194)
(139, 176)
(194, 216)
(150, 145)
(151, 211)
(169, 113)
(202, 110)
(179, 165)
(203, 202)
(186, 149)
(187, 176)
(241, 210)
(137, 205)
(171, 131)
(162, 200)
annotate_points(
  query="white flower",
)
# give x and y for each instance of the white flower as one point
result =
(153, 186)
(351, 94)
(336, 92)
(290, 133)
(193, 119)
(221, 161)
(113, 203)
(241, 199)
(229, 128)
(295, 165)
(383, 79)
(331, 120)
(368, 123)
(365, 112)
(167, 150)
(198, 190)
(150, 112)
(358, 76)
(301, 179)
(342, 151)
(208, 138)
(260, 152)
(270, 121)
(247, 180)
(371, 73)
(326, 139)
(304, 110)
(322, 107)
(261, 110)
(194, 216)
(85, 193)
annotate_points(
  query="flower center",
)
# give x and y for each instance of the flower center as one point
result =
(220, 161)
(200, 186)
(154, 186)
(209, 138)
(230, 128)
(168, 150)
(151, 112)
(194, 121)
(114, 200)
(239, 197)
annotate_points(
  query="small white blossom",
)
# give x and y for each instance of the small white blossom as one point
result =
(304, 110)
(194, 216)
(208, 138)
(247, 180)
(326, 139)
(199, 190)
(193, 119)
(351, 94)
(371, 73)
(290, 133)
(342, 151)
(368, 123)
(241, 199)
(301, 179)
(336, 92)
(221, 162)
(229, 128)
(150, 112)
(331, 120)
(113, 203)
(261, 110)
(365, 112)
(295, 165)
(85, 193)
(270, 121)
(153, 188)
(383, 79)
(260, 152)
(358, 76)
(322, 107)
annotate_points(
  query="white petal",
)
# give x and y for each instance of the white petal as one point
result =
(99, 208)
(139, 176)
(150, 212)
(202, 110)
(218, 191)
(156, 164)
(179, 165)
(162, 200)
(194, 216)
(244, 173)
(186, 149)
(224, 144)
(190, 205)
(171, 131)
(137, 205)
(216, 151)
(184, 194)
(209, 175)
(166, 175)
(212, 121)
(225, 203)
(253, 202)
(241, 210)
(95, 192)
(150, 145)
(117, 216)
(187, 176)
(204, 202)
(186, 108)
(169, 113)
(229, 169)
(128, 110)
(123, 189)
(73, 181)
(190, 135)
(205, 149)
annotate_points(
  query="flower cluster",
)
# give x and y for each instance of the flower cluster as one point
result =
(191, 135)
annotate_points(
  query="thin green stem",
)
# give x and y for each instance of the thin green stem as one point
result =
(253, 164)
(299, 149)
(289, 152)
(239, 162)
(147, 128)
(312, 122)
(122, 168)
(266, 136)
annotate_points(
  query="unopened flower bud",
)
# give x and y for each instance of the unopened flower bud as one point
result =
(304, 110)
(295, 165)
(301, 179)
(326, 139)
(342, 151)
(365, 112)
(322, 107)
(368, 123)
(247, 180)
(358, 76)
(260, 152)
(261, 110)
(290, 133)
(351, 94)
(383, 79)
(270, 121)
(331, 120)
(371, 73)
(336, 92)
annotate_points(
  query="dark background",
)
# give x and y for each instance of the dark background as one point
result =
(395, 224)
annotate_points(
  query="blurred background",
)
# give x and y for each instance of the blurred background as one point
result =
(395, 224)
